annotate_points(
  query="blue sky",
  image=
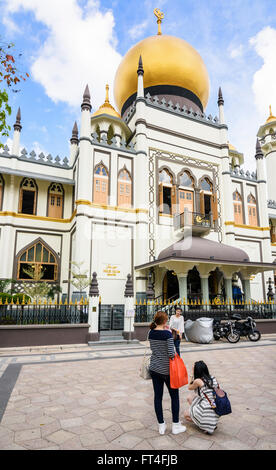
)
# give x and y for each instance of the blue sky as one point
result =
(68, 43)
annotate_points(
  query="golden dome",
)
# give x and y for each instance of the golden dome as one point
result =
(167, 60)
(231, 147)
(270, 117)
(106, 108)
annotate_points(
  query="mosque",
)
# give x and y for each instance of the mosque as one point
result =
(152, 188)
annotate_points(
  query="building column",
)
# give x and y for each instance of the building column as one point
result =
(129, 309)
(93, 310)
(247, 290)
(205, 290)
(183, 291)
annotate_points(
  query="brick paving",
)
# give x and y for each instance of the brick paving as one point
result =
(102, 403)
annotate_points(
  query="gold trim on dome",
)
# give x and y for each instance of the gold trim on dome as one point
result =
(106, 108)
(167, 60)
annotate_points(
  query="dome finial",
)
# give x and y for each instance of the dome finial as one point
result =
(106, 93)
(159, 15)
(270, 117)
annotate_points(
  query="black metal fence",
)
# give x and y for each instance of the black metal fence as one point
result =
(41, 314)
(145, 313)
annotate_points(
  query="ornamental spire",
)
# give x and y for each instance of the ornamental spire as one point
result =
(140, 70)
(220, 98)
(17, 126)
(259, 153)
(75, 135)
(86, 104)
(159, 15)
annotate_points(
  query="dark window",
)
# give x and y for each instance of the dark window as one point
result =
(207, 204)
(167, 203)
(28, 198)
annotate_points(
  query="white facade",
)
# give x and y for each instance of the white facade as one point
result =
(113, 238)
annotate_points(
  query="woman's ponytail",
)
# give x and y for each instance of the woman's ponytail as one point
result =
(159, 319)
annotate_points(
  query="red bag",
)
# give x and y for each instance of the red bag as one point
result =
(178, 372)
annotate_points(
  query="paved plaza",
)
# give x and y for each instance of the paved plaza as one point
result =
(91, 398)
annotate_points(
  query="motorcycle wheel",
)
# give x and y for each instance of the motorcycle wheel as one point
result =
(216, 337)
(254, 336)
(233, 337)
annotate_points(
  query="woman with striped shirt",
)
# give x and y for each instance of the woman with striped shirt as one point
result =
(201, 411)
(162, 346)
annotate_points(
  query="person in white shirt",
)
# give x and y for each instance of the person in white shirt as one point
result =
(177, 328)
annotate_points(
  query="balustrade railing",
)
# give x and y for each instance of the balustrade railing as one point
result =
(144, 312)
(192, 219)
(43, 313)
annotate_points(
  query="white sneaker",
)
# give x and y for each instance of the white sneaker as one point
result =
(162, 428)
(177, 428)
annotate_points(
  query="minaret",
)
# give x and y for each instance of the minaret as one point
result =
(16, 135)
(221, 107)
(83, 185)
(228, 210)
(266, 135)
(263, 209)
(262, 186)
(141, 194)
(85, 177)
(74, 142)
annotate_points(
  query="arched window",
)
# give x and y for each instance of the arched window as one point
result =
(186, 197)
(55, 201)
(238, 208)
(208, 198)
(165, 177)
(28, 196)
(124, 188)
(167, 192)
(1, 191)
(37, 258)
(252, 210)
(206, 185)
(100, 193)
(186, 179)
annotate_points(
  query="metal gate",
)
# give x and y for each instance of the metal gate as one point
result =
(111, 317)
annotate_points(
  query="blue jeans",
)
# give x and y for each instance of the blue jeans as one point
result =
(177, 345)
(158, 382)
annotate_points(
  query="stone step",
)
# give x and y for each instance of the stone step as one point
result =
(108, 342)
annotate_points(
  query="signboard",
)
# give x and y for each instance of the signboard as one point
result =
(111, 270)
(130, 313)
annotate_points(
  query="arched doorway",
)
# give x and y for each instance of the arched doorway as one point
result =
(170, 286)
(216, 285)
(194, 286)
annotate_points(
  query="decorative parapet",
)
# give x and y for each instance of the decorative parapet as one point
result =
(102, 140)
(130, 113)
(271, 204)
(240, 173)
(176, 109)
(41, 158)
(264, 139)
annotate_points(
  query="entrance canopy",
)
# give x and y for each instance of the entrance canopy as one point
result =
(195, 251)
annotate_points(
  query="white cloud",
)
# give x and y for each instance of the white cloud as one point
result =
(80, 48)
(264, 83)
(236, 52)
(137, 30)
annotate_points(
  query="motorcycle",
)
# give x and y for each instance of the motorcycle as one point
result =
(246, 328)
(225, 330)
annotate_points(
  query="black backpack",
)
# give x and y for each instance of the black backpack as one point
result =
(221, 405)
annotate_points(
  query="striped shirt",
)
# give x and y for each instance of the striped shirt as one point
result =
(162, 346)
